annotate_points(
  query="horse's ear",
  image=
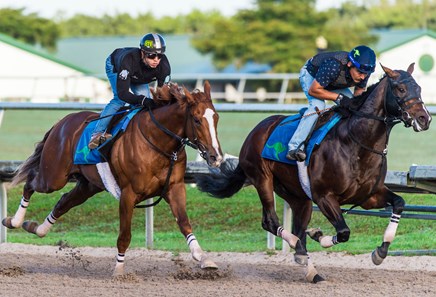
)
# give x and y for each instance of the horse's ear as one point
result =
(207, 89)
(389, 72)
(411, 68)
(189, 97)
(162, 93)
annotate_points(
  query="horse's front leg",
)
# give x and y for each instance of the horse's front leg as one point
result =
(177, 200)
(127, 204)
(331, 209)
(378, 201)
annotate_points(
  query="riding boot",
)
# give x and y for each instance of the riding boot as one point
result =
(97, 139)
(299, 154)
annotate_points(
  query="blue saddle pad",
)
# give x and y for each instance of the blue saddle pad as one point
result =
(83, 154)
(276, 146)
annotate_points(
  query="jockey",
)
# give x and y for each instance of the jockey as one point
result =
(129, 71)
(327, 76)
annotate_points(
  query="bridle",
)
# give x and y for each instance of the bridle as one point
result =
(195, 144)
(394, 104)
(394, 107)
(395, 111)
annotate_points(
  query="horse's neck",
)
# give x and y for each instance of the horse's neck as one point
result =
(374, 104)
(172, 117)
(372, 132)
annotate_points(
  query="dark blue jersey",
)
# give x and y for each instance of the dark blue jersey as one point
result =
(331, 71)
(132, 70)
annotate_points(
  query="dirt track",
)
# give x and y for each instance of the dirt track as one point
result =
(27, 270)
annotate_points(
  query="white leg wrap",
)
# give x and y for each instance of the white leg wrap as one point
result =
(391, 230)
(194, 246)
(43, 229)
(18, 218)
(310, 270)
(290, 238)
(328, 241)
(119, 266)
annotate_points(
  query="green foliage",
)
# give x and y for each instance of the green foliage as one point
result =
(29, 28)
(401, 14)
(280, 33)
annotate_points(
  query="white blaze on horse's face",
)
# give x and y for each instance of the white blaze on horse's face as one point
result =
(208, 115)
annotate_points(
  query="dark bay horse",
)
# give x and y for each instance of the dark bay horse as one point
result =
(148, 160)
(348, 167)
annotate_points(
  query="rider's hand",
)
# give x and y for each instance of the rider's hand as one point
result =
(343, 101)
(148, 103)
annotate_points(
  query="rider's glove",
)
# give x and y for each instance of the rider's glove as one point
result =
(148, 103)
(343, 101)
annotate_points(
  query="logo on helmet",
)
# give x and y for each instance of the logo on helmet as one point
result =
(356, 52)
(148, 43)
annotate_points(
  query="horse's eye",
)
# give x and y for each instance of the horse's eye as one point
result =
(196, 121)
(402, 90)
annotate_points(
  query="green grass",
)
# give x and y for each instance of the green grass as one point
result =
(219, 225)
(21, 130)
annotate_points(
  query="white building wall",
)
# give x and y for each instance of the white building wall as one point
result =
(26, 76)
(402, 56)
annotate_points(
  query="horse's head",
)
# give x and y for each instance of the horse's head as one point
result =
(403, 99)
(201, 122)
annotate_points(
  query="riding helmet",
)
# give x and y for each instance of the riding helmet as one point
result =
(363, 58)
(153, 43)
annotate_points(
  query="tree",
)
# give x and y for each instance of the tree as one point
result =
(281, 33)
(30, 28)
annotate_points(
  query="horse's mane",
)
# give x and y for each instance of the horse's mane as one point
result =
(356, 103)
(172, 93)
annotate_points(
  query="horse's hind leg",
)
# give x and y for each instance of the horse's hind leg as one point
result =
(78, 195)
(296, 239)
(270, 220)
(17, 220)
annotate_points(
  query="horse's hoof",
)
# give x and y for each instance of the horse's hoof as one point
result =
(7, 222)
(208, 264)
(301, 259)
(119, 270)
(317, 278)
(30, 226)
(376, 258)
(314, 233)
(313, 276)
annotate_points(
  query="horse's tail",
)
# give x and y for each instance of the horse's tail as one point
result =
(31, 165)
(224, 183)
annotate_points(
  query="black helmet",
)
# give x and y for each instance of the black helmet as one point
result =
(363, 58)
(153, 43)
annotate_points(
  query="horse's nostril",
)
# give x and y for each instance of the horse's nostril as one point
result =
(423, 120)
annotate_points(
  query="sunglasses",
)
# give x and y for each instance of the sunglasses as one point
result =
(153, 56)
(367, 68)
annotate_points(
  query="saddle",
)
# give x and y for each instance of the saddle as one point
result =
(276, 146)
(117, 126)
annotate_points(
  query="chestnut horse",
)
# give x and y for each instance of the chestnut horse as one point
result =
(348, 167)
(148, 160)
